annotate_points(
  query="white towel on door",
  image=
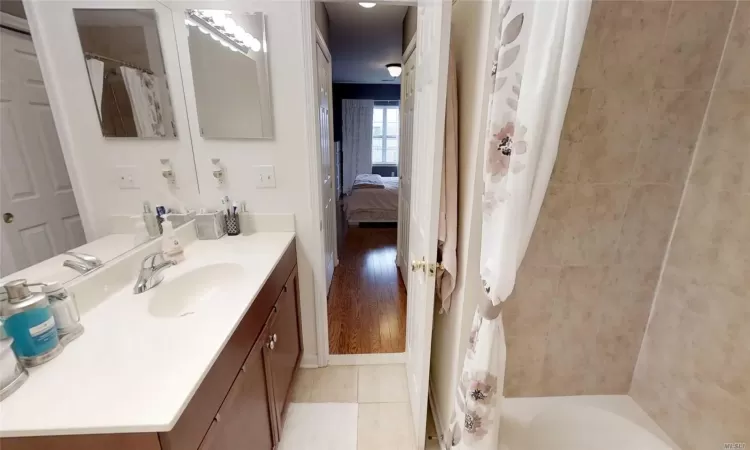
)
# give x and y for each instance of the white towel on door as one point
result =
(448, 224)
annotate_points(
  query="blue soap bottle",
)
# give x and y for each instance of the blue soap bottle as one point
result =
(29, 321)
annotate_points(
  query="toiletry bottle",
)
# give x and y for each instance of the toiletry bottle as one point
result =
(149, 218)
(31, 324)
(64, 310)
(246, 220)
(3, 307)
(170, 245)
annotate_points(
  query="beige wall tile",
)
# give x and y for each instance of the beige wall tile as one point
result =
(735, 66)
(625, 304)
(575, 116)
(647, 224)
(529, 309)
(723, 162)
(628, 55)
(593, 224)
(524, 364)
(712, 237)
(548, 240)
(382, 384)
(613, 131)
(567, 163)
(693, 44)
(572, 334)
(674, 121)
(588, 74)
(337, 384)
(385, 426)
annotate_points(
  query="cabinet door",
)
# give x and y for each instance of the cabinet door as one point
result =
(287, 346)
(244, 420)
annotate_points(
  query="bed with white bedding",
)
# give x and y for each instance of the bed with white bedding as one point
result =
(373, 199)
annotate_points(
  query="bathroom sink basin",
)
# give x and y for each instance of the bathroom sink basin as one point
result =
(188, 292)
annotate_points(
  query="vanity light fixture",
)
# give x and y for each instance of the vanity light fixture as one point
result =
(394, 69)
(224, 29)
(367, 5)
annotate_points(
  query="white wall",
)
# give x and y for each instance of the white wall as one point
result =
(287, 151)
(92, 159)
(470, 44)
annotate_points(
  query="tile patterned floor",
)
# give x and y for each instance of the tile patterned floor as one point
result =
(350, 408)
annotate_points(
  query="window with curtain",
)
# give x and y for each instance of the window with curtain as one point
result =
(385, 135)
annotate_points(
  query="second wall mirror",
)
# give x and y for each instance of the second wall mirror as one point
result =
(125, 64)
(229, 62)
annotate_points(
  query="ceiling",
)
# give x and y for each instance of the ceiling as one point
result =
(363, 41)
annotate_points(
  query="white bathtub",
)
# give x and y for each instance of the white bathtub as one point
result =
(587, 422)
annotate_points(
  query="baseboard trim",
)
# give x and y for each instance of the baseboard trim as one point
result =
(436, 417)
(309, 362)
(366, 359)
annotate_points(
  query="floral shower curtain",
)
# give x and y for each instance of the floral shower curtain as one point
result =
(144, 99)
(536, 52)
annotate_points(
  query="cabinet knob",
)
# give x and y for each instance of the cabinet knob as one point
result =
(274, 338)
(218, 417)
(244, 368)
(271, 345)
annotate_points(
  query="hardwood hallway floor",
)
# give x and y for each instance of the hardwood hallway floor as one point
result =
(367, 300)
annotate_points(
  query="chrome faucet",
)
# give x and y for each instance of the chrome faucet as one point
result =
(84, 263)
(151, 272)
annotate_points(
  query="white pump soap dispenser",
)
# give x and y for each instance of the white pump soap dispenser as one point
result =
(170, 245)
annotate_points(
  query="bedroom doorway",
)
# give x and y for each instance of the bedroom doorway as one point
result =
(366, 291)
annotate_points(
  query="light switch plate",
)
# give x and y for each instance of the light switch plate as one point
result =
(127, 177)
(265, 176)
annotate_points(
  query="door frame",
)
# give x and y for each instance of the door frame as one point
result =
(319, 40)
(310, 36)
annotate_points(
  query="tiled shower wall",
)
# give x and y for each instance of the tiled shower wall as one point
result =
(693, 373)
(587, 283)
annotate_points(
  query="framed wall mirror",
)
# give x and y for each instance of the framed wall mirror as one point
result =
(124, 61)
(229, 62)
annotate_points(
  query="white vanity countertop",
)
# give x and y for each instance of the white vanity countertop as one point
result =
(132, 370)
(52, 269)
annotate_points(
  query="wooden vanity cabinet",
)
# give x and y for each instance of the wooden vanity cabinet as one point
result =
(246, 414)
(284, 349)
(242, 401)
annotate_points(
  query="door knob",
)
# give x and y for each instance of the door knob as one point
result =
(418, 265)
(8, 218)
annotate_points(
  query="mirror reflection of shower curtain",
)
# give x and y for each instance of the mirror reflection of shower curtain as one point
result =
(96, 77)
(144, 99)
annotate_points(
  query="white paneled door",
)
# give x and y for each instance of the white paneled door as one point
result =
(408, 85)
(328, 224)
(39, 212)
(433, 34)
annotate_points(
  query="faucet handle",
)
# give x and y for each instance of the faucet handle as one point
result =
(153, 260)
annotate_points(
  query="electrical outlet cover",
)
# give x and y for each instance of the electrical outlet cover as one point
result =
(265, 176)
(127, 177)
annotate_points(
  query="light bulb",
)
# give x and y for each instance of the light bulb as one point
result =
(367, 5)
(394, 69)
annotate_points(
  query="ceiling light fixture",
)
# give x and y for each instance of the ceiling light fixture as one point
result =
(367, 5)
(394, 69)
